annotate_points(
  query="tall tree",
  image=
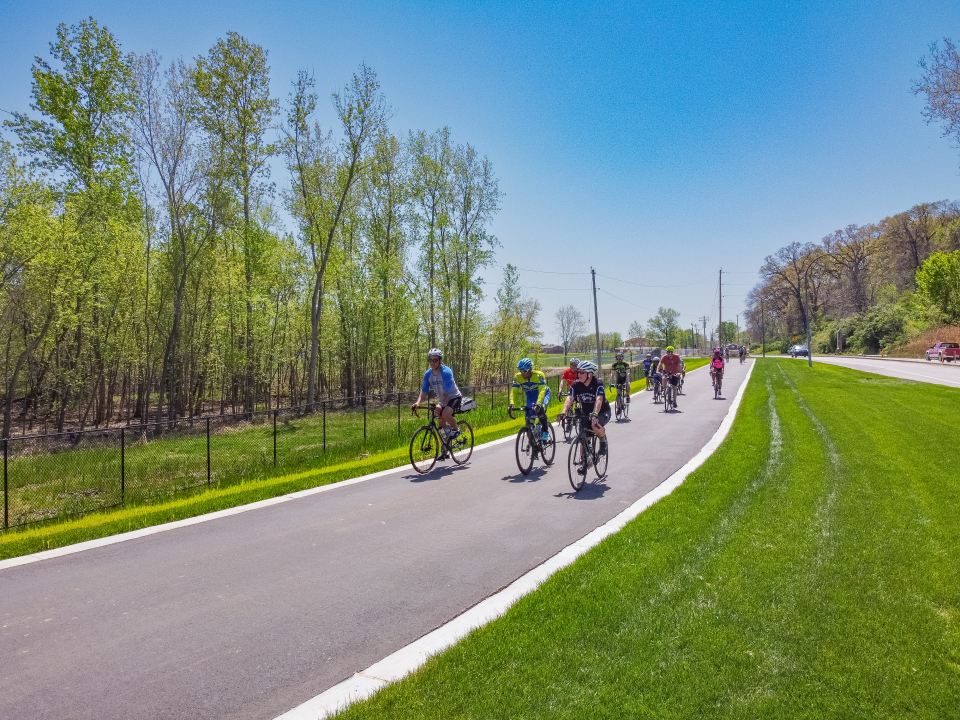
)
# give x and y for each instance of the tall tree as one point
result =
(663, 326)
(940, 83)
(570, 324)
(323, 177)
(233, 85)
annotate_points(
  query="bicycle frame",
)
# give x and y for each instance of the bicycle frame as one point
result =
(444, 441)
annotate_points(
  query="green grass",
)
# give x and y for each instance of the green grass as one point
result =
(807, 569)
(151, 501)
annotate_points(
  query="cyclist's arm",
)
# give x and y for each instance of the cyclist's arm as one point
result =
(512, 398)
(447, 375)
(424, 389)
(599, 403)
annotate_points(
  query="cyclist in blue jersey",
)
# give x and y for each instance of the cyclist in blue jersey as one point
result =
(649, 366)
(533, 384)
(439, 379)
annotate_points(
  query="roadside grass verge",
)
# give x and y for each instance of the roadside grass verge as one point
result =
(807, 569)
(257, 482)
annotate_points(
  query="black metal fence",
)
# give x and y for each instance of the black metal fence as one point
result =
(69, 474)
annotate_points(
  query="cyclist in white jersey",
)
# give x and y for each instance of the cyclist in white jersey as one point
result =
(439, 379)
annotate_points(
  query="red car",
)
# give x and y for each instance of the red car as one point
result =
(944, 352)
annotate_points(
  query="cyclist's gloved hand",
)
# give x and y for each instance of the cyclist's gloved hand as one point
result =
(538, 408)
(560, 418)
(593, 416)
(510, 408)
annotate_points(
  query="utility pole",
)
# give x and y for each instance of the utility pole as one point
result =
(763, 333)
(738, 329)
(704, 321)
(720, 326)
(596, 318)
(806, 293)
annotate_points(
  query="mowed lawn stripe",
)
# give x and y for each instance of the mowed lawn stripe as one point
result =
(808, 569)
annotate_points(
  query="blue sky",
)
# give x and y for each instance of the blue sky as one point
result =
(657, 142)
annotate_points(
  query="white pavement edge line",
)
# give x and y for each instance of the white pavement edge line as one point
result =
(404, 661)
(154, 529)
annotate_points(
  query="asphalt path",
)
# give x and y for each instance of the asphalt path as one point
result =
(250, 615)
(931, 372)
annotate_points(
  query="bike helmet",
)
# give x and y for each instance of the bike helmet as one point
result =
(435, 352)
(649, 355)
(587, 366)
(525, 364)
(669, 348)
(619, 355)
(574, 362)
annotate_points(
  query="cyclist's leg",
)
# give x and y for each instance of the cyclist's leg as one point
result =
(449, 418)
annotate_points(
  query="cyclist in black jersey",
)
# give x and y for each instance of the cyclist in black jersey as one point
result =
(620, 376)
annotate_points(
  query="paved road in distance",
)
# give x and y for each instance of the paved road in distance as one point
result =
(931, 372)
(250, 615)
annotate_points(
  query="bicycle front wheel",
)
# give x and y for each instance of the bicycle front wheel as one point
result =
(524, 450)
(550, 448)
(577, 464)
(567, 429)
(424, 446)
(600, 461)
(462, 447)
(619, 406)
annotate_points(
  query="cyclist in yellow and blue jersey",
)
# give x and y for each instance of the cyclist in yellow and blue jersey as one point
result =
(533, 384)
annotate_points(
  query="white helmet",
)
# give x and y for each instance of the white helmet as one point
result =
(587, 366)
(435, 352)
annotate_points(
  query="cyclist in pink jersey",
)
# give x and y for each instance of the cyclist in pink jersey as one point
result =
(716, 365)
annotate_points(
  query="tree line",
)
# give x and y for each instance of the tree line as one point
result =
(873, 287)
(146, 272)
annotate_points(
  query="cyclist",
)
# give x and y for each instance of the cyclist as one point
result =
(742, 352)
(716, 366)
(569, 377)
(439, 379)
(620, 376)
(588, 393)
(670, 364)
(648, 368)
(533, 384)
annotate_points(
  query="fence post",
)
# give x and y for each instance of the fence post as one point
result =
(6, 489)
(398, 413)
(324, 406)
(274, 438)
(491, 396)
(123, 464)
(364, 418)
(208, 451)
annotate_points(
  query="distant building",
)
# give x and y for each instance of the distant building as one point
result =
(552, 350)
(637, 343)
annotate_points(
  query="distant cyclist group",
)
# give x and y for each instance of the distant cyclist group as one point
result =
(585, 413)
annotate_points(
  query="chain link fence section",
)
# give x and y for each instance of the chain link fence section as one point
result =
(47, 477)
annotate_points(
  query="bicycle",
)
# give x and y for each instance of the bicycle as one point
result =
(717, 381)
(670, 393)
(584, 453)
(621, 407)
(530, 444)
(427, 441)
(657, 388)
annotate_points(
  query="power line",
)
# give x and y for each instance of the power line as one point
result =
(629, 282)
(534, 287)
(626, 301)
(545, 272)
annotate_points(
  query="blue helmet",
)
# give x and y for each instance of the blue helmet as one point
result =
(525, 364)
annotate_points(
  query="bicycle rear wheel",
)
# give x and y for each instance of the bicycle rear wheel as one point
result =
(577, 463)
(462, 447)
(524, 450)
(618, 407)
(424, 446)
(600, 461)
(567, 429)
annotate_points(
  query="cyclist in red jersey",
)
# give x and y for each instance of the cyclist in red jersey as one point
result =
(670, 364)
(569, 377)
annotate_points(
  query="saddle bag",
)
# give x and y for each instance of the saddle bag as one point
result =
(467, 404)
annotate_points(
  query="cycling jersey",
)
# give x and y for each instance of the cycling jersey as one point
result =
(442, 384)
(671, 363)
(535, 389)
(621, 368)
(717, 363)
(570, 377)
(648, 366)
(586, 395)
